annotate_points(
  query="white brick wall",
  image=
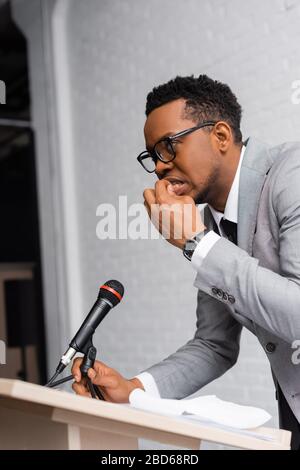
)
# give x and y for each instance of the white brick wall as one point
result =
(118, 50)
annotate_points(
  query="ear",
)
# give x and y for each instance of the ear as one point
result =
(223, 135)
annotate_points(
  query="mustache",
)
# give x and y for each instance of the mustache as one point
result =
(161, 176)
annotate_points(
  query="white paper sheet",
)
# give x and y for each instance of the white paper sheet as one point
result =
(209, 408)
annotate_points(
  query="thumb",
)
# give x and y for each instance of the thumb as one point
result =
(98, 370)
(163, 193)
(170, 190)
(92, 374)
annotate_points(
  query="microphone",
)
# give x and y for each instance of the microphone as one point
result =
(110, 294)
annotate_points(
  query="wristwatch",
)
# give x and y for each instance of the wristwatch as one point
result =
(190, 245)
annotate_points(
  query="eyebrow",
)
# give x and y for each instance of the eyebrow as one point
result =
(166, 134)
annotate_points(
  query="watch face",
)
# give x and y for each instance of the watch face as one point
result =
(189, 249)
(190, 245)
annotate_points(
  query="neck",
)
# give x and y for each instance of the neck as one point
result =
(226, 175)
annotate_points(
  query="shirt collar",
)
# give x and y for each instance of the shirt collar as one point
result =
(231, 207)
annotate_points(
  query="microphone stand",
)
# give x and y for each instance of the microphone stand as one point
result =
(89, 357)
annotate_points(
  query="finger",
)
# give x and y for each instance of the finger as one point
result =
(153, 213)
(147, 208)
(81, 389)
(103, 377)
(95, 375)
(149, 196)
(171, 190)
(75, 371)
(97, 371)
(163, 193)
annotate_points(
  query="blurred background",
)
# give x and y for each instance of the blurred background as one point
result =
(77, 75)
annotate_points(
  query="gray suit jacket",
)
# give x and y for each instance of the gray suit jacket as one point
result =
(255, 284)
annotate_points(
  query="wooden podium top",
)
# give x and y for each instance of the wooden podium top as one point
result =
(67, 408)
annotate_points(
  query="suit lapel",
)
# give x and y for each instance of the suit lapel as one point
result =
(255, 165)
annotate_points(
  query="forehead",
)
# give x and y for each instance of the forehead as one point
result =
(167, 119)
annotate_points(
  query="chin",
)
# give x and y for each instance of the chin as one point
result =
(199, 199)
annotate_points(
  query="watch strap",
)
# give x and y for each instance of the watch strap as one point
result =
(191, 245)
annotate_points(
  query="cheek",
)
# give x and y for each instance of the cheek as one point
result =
(196, 166)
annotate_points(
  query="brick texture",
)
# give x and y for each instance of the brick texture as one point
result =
(118, 51)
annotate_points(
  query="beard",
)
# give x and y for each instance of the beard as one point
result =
(203, 196)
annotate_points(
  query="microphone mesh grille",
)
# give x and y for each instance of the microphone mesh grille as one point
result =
(110, 296)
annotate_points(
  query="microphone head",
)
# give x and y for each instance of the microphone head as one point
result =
(113, 291)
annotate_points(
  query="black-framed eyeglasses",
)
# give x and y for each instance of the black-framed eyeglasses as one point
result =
(164, 149)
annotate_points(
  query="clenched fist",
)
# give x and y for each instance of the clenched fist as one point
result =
(113, 386)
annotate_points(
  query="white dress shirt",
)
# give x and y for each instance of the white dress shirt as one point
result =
(202, 249)
(230, 213)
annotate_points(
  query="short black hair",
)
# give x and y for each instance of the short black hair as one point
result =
(206, 99)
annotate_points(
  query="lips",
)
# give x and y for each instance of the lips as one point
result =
(179, 186)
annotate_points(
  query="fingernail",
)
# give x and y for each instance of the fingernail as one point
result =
(77, 378)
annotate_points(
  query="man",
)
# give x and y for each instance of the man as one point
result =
(247, 255)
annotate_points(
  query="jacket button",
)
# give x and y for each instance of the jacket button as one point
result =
(231, 299)
(220, 294)
(214, 290)
(225, 296)
(270, 347)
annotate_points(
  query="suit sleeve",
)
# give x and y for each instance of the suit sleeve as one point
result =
(272, 300)
(212, 351)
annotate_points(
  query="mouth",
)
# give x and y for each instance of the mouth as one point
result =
(179, 186)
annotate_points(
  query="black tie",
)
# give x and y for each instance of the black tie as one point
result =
(230, 229)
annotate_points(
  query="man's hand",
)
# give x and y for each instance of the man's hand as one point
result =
(113, 386)
(177, 218)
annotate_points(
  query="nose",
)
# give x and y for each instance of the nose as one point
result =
(161, 168)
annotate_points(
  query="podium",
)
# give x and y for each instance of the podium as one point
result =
(35, 417)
